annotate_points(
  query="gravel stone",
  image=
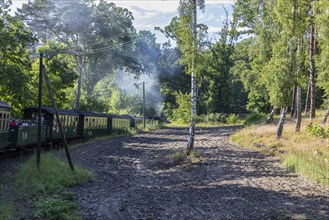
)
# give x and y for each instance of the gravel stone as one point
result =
(138, 177)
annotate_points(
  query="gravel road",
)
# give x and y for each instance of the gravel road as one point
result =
(139, 178)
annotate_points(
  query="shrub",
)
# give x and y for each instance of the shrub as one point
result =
(232, 118)
(56, 208)
(317, 131)
(254, 118)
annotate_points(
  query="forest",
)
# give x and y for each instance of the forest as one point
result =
(270, 56)
(256, 98)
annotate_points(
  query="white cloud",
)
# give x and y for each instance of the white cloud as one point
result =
(150, 13)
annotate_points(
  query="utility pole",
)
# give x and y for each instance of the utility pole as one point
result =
(51, 93)
(144, 124)
(39, 111)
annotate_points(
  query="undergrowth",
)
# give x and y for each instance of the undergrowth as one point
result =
(44, 190)
(315, 166)
(305, 152)
(194, 156)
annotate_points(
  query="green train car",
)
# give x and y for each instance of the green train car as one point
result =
(25, 134)
(69, 121)
(92, 124)
(119, 123)
(76, 124)
(5, 110)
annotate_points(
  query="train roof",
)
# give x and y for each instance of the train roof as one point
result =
(119, 116)
(4, 105)
(51, 110)
(86, 113)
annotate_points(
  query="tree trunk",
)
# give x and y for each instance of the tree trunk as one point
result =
(298, 90)
(270, 116)
(281, 123)
(190, 142)
(326, 115)
(293, 102)
(298, 110)
(307, 100)
(312, 67)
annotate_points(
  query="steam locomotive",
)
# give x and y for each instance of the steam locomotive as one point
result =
(76, 124)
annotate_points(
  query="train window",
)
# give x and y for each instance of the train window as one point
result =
(55, 122)
(86, 122)
(1, 121)
(7, 121)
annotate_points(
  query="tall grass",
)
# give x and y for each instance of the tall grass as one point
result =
(315, 166)
(6, 210)
(52, 175)
(44, 191)
(305, 152)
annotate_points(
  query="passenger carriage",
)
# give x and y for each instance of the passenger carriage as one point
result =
(92, 124)
(119, 123)
(25, 133)
(5, 110)
(69, 121)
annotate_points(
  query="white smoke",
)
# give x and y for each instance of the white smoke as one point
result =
(131, 85)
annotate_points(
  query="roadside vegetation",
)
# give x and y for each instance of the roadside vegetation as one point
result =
(43, 193)
(210, 120)
(305, 152)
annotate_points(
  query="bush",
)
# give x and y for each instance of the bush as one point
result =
(212, 118)
(317, 131)
(56, 208)
(254, 118)
(232, 118)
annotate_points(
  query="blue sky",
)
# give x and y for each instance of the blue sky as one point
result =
(150, 13)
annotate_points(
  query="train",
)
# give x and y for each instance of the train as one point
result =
(76, 124)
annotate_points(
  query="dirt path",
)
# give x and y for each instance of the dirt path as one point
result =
(137, 178)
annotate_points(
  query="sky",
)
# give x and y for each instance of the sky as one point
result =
(150, 13)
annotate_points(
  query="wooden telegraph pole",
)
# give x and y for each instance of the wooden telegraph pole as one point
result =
(39, 111)
(144, 123)
(58, 119)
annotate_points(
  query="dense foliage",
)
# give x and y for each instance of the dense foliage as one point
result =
(97, 60)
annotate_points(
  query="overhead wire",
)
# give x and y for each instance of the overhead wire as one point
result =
(112, 38)
(162, 19)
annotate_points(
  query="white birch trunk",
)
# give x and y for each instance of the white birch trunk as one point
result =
(326, 115)
(281, 123)
(312, 66)
(270, 116)
(298, 91)
(190, 142)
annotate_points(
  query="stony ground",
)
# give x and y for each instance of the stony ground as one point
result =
(140, 178)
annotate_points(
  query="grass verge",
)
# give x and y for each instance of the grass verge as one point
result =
(300, 152)
(43, 193)
(194, 157)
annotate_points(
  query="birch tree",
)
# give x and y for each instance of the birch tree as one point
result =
(322, 60)
(187, 41)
